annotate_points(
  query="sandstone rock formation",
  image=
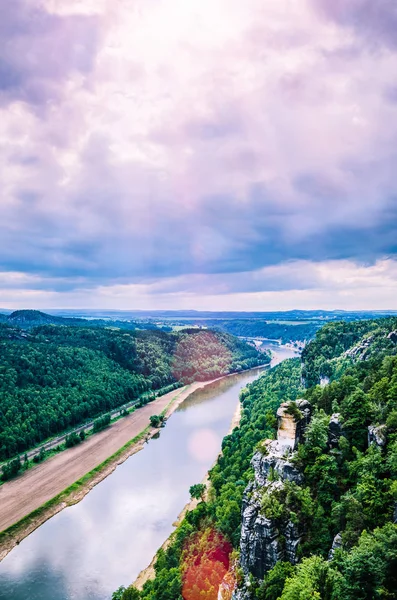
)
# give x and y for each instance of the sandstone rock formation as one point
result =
(266, 540)
(336, 544)
(392, 337)
(377, 435)
(334, 430)
(361, 350)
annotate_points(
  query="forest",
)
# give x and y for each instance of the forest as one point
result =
(54, 377)
(348, 489)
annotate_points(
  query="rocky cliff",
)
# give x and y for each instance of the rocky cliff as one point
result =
(269, 533)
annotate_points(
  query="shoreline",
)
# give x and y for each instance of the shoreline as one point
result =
(149, 572)
(14, 534)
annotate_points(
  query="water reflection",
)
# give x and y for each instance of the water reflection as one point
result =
(88, 550)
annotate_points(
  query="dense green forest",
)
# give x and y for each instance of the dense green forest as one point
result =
(349, 487)
(55, 377)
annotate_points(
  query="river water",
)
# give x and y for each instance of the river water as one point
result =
(88, 550)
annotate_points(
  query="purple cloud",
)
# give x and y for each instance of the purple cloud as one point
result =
(40, 50)
(175, 151)
(376, 21)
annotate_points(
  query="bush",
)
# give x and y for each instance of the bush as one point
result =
(156, 420)
(11, 469)
(101, 423)
(72, 440)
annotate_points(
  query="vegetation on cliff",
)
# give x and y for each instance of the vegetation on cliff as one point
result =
(349, 491)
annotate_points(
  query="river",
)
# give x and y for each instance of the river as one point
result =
(88, 550)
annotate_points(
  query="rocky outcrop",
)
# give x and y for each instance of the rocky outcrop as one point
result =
(362, 350)
(273, 460)
(292, 420)
(336, 544)
(242, 593)
(377, 435)
(334, 430)
(324, 380)
(265, 539)
(392, 337)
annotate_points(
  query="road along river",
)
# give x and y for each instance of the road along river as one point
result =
(88, 550)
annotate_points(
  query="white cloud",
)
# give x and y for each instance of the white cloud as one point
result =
(202, 137)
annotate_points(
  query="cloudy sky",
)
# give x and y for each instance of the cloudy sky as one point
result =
(208, 154)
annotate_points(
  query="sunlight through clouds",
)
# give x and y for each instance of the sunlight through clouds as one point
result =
(161, 143)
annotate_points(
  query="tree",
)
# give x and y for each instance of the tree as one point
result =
(156, 420)
(118, 594)
(72, 440)
(11, 469)
(309, 580)
(101, 423)
(131, 593)
(197, 491)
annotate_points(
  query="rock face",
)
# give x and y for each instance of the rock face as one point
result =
(334, 430)
(392, 337)
(292, 420)
(377, 435)
(336, 544)
(265, 541)
(361, 350)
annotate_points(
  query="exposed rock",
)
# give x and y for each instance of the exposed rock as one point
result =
(336, 544)
(242, 593)
(334, 430)
(265, 541)
(393, 336)
(361, 350)
(259, 543)
(274, 458)
(293, 536)
(324, 380)
(377, 435)
(292, 424)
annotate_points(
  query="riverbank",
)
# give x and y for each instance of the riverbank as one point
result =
(66, 478)
(149, 572)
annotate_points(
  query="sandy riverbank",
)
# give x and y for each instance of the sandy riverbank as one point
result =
(31, 499)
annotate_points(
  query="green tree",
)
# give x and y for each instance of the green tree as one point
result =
(197, 491)
(131, 593)
(156, 420)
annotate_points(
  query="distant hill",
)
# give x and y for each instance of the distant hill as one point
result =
(31, 318)
(27, 319)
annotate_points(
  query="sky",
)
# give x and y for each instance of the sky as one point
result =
(198, 154)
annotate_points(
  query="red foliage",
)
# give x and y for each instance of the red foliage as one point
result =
(205, 562)
(201, 356)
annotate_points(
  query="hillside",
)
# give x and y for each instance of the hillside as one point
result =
(302, 502)
(53, 377)
(27, 319)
